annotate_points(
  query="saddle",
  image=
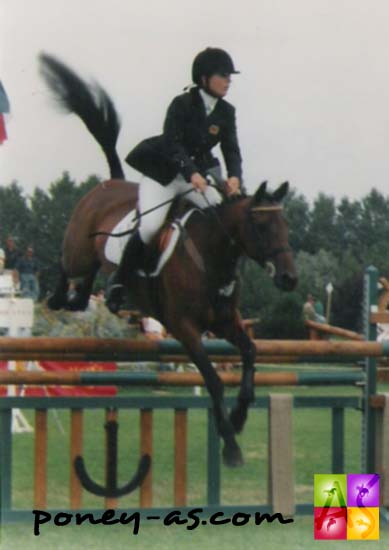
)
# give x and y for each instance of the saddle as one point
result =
(160, 250)
(172, 232)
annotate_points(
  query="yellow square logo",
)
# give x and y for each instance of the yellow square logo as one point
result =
(363, 523)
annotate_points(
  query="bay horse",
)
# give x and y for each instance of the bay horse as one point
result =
(188, 297)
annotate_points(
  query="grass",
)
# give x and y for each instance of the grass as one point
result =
(248, 485)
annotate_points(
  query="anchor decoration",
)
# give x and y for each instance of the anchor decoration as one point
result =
(111, 490)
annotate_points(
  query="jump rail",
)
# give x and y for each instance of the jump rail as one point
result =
(81, 378)
(375, 434)
(111, 349)
(316, 330)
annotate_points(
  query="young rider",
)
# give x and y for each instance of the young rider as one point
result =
(178, 160)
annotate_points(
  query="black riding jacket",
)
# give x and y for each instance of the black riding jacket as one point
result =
(188, 137)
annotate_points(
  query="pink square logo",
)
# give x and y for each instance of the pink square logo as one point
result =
(330, 523)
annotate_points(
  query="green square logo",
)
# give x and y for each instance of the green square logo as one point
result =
(330, 490)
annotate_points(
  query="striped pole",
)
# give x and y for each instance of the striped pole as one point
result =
(92, 349)
(87, 378)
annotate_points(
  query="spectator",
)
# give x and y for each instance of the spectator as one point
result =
(2, 260)
(12, 254)
(153, 330)
(309, 309)
(97, 299)
(28, 270)
(319, 310)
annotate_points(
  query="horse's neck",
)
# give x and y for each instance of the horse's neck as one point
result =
(218, 242)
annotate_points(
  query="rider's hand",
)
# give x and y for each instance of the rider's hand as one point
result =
(198, 182)
(232, 186)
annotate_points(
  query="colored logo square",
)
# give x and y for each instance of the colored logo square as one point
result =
(330, 523)
(363, 523)
(363, 490)
(330, 490)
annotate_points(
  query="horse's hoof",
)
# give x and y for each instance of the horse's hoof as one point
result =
(54, 304)
(238, 419)
(232, 458)
(112, 306)
(76, 306)
(114, 298)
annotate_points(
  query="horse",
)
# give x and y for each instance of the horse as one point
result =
(198, 288)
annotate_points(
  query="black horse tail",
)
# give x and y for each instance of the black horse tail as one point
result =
(90, 102)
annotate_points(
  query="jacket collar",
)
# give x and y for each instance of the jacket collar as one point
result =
(209, 101)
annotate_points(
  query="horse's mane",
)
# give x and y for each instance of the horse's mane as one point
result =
(232, 199)
(227, 201)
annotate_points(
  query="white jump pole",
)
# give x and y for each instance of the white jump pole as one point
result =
(17, 317)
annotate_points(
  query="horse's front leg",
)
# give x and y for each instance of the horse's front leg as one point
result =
(190, 337)
(58, 299)
(235, 334)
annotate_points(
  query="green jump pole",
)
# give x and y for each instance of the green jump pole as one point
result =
(110, 349)
(87, 378)
(370, 329)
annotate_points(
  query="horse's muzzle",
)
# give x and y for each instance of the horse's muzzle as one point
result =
(286, 281)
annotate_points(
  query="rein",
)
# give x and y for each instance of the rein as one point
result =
(274, 208)
(139, 215)
(219, 222)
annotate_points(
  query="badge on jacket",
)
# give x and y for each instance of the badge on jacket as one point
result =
(214, 130)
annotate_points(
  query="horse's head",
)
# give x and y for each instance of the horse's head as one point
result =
(265, 236)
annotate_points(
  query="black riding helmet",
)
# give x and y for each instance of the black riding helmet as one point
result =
(209, 62)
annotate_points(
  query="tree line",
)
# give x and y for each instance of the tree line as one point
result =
(332, 242)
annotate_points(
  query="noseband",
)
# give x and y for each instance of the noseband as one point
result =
(276, 208)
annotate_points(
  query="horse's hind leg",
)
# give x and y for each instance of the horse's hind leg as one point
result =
(190, 337)
(83, 291)
(59, 299)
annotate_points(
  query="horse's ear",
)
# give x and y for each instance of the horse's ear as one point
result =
(260, 192)
(280, 193)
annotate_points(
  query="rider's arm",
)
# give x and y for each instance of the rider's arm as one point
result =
(173, 132)
(230, 146)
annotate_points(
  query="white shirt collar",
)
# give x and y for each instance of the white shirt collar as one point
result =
(209, 101)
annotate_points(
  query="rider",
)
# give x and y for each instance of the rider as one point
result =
(179, 159)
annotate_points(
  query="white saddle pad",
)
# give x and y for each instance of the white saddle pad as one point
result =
(114, 246)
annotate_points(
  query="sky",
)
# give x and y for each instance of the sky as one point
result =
(311, 100)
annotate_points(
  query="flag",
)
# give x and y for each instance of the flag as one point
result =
(4, 108)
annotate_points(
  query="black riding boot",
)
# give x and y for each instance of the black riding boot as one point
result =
(129, 263)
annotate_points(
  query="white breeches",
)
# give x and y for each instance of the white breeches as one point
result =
(152, 193)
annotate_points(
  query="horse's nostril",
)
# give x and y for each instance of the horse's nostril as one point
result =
(288, 281)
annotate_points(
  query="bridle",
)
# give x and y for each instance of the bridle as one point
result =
(270, 208)
(276, 251)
